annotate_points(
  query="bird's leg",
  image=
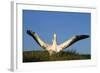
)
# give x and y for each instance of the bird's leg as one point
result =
(50, 53)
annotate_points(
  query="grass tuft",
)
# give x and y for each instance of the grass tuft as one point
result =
(39, 56)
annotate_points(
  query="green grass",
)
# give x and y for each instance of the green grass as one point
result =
(39, 56)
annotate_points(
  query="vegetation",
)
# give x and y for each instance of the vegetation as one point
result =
(38, 56)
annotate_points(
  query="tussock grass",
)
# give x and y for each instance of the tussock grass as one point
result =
(39, 56)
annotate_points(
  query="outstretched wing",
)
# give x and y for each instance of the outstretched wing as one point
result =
(37, 39)
(72, 41)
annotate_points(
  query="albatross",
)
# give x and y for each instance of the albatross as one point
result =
(54, 47)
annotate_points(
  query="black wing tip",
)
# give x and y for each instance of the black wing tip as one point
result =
(86, 36)
(79, 37)
(30, 32)
(83, 36)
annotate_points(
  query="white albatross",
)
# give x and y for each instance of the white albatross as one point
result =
(54, 47)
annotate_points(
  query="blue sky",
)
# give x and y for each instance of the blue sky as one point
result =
(64, 24)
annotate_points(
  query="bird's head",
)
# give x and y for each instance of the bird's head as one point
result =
(54, 35)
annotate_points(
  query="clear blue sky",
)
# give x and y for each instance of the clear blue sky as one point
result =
(64, 24)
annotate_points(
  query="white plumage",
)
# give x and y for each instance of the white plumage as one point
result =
(54, 47)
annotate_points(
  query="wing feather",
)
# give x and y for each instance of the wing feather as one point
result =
(72, 41)
(37, 39)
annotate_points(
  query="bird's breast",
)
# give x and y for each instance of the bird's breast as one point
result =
(52, 48)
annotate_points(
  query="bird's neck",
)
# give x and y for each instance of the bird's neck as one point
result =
(55, 42)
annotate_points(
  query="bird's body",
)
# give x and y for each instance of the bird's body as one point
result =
(54, 47)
